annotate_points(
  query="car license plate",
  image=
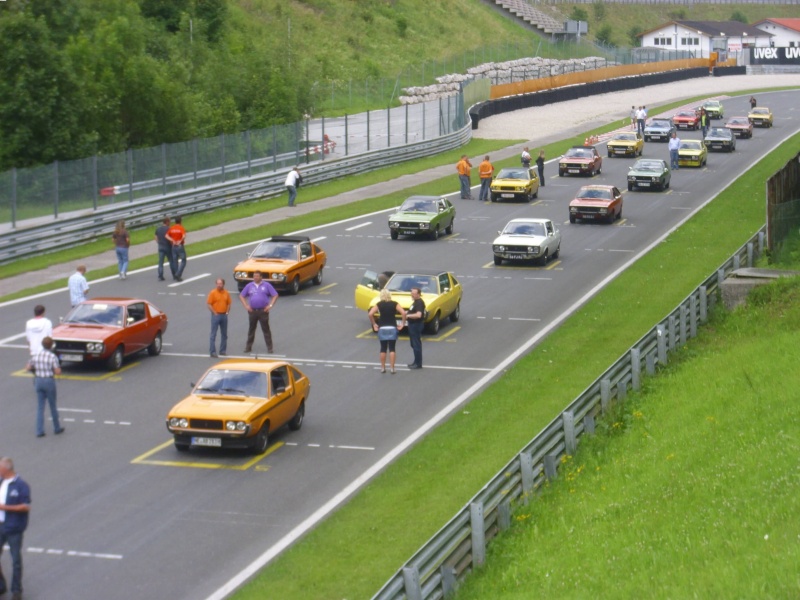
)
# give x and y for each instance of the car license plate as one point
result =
(408, 232)
(588, 216)
(506, 195)
(620, 151)
(655, 137)
(757, 122)
(206, 441)
(71, 357)
(573, 170)
(644, 183)
(716, 145)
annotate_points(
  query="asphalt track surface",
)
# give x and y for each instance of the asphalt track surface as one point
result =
(119, 513)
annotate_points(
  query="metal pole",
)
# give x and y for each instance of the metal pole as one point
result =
(55, 188)
(164, 168)
(423, 120)
(324, 144)
(388, 128)
(129, 156)
(222, 155)
(14, 197)
(367, 131)
(346, 137)
(194, 160)
(94, 181)
(249, 153)
(406, 139)
(274, 150)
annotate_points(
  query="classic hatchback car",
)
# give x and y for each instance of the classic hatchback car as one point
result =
(658, 130)
(720, 138)
(423, 215)
(109, 329)
(580, 160)
(649, 173)
(527, 239)
(285, 261)
(627, 143)
(714, 109)
(596, 202)
(692, 153)
(440, 291)
(740, 126)
(686, 119)
(760, 116)
(238, 403)
(515, 183)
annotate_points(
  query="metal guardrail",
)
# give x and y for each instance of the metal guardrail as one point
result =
(87, 226)
(435, 570)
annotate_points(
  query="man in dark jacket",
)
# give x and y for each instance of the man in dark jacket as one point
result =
(15, 504)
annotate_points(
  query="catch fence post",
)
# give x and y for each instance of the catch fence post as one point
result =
(478, 534)
(411, 583)
(636, 369)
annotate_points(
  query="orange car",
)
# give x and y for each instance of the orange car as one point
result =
(596, 202)
(109, 329)
(287, 262)
(238, 403)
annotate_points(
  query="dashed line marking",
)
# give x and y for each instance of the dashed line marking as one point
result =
(331, 446)
(75, 553)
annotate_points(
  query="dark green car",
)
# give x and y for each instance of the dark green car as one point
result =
(649, 173)
(423, 215)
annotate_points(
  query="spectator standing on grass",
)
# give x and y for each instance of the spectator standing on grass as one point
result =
(464, 168)
(485, 172)
(78, 286)
(177, 237)
(164, 249)
(540, 167)
(293, 181)
(122, 241)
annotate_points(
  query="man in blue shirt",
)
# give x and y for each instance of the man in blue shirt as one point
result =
(15, 504)
(258, 297)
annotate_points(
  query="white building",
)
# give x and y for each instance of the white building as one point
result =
(785, 32)
(701, 38)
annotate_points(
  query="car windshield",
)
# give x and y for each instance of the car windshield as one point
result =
(691, 145)
(428, 284)
(718, 132)
(627, 137)
(418, 205)
(760, 111)
(660, 123)
(513, 174)
(711, 104)
(595, 193)
(96, 313)
(739, 122)
(228, 382)
(647, 165)
(686, 113)
(279, 250)
(578, 153)
(524, 229)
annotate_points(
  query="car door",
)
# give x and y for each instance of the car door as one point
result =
(368, 289)
(617, 204)
(447, 298)
(306, 261)
(135, 330)
(281, 397)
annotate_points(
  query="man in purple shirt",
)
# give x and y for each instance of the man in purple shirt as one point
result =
(258, 297)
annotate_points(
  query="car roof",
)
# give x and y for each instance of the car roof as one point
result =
(289, 238)
(597, 186)
(584, 147)
(117, 301)
(249, 364)
(424, 198)
(529, 220)
(427, 272)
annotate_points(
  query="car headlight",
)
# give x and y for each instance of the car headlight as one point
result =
(499, 248)
(235, 425)
(394, 224)
(654, 179)
(573, 209)
(603, 211)
(424, 225)
(178, 422)
(240, 275)
(95, 347)
(533, 249)
(278, 277)
(631, 178)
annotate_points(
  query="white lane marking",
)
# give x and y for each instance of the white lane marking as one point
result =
(335, 447)
(78, 410)
(12, 338)
(195, 278)
(354, 227)
(76, 553)
(93, 422)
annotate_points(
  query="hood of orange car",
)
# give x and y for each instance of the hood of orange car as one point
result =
(265, 264)
(589, 202)
(80, 331)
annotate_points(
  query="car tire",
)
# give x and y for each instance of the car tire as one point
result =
(544, 259)
(317, 278)
(433, 326)
(493, 197)
(640, 151)
(619, 214)
(181, 446)
(535, 194)
(572, 219)
(154, 349)
(456, 314)
(294, 287)
(498, 260)
(557, 253)
(394, 235)
(610, 155)
(297, 420)
(630, 187)
(449, 229)
(435, 233)
(560, 173)
(114, 362)
(261, 440)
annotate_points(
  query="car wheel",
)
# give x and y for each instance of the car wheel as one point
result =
(619, 214)
(456, 314)
(435, 233)
(572, 219)
(181, 446)
(318, 279)
(297, 420)
(394, 235)
(261, 440)
(433, 326)
(557, 252)
(493, 197)
(536, 193)
(640, 151)
(600, 169)
(560, 173)
(544, 259)
(610, 155)
(154, 349)
(294, 287)
(630, 187)
(498, 260)
(449, 229)
(114, 362)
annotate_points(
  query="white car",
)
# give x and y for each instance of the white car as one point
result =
(527, 239)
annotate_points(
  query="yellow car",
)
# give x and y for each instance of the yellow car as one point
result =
(760, 116)
(627, 143)
(440, 291)
(515, 183)
(285, 261)
(692, 153)
(238, 404)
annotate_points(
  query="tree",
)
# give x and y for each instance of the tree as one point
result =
(739, 16)
(599, 9)
(578, 14)
(604, 35)
(633, 35)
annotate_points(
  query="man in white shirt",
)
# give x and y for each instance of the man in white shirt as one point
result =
(674, 146)
(38, 328)
(78, 286)
(293, 180)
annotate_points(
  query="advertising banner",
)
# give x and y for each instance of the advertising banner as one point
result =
(775, 56)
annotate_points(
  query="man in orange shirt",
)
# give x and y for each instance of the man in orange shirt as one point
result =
(464, 168)
(485, 171)
(219, 303)
(177, 237)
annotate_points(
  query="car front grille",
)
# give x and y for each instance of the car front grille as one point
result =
(505, 188)
(522, 250)
(588, 209)
(569, 165)
(212, 424)
(409, 225)
(69, 345)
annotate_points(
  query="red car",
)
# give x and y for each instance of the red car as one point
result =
(595, 203)
(686, 119)
(109, 329)
(740, 126)
(580, 160)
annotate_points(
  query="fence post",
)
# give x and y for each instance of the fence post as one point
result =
(650, 363)
(388, 127)
(504, 515)
(662, 344)
(129, 156)
(194, 159)
(736, 262)
(423, 120)
(568, 421)
(550, 466)
(526, 474)
(636, 369)
(346, 137)
(275, 150)
(411, 583)
(762, 240)
(672, 337)
(94, 182)
(449, 584)
(164, 169)
(693, 316)
(367, 131)
(683, 324)
(703, 304)
(14, 197)
(588, 424)
(605, 394)
(324, 145)
(222, 156)
(406, 137)
(249, 153)
(478, 535)
(749, 254)
(55, 188)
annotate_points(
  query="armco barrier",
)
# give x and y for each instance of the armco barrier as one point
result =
(435, 570)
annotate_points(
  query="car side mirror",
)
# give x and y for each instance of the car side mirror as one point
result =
(191, 385)
(129, 320)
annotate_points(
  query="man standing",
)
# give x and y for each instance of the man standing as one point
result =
(219, 303)
(485, 171)
(15, 504)
(540, 167)
(37, 328)
(293, 181)
(415, 317)
(674, 146)
(633, 118)
(164, 249)
(641, 116)
(464, 168)
(45, 366)
(703, 122)
(177, 237)
(258, 297)
(525, 158)
(78, 286)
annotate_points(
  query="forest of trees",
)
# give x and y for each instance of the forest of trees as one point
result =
(85, 77)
